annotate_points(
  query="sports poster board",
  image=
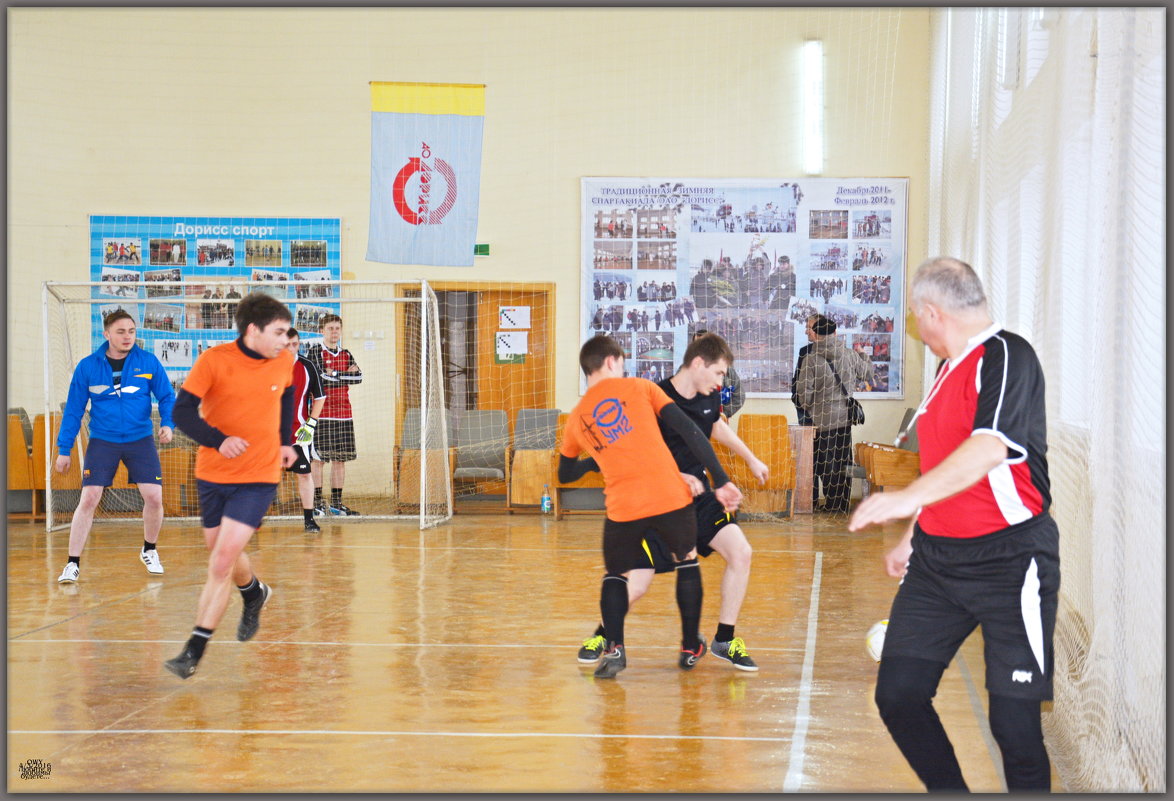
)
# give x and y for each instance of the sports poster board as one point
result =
(749, 259)
(216, 258)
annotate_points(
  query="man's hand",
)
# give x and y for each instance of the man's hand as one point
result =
(728, 496)
(165, 434)
(62, 463)
(305, 434)
(759, 470)
(881, 507)
(897, 559)
(234, 447)
(695, 485)
(288, 455)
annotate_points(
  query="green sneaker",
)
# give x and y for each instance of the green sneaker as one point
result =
(734, 651)
(592, 649)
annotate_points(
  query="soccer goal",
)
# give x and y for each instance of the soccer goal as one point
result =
(402, 456)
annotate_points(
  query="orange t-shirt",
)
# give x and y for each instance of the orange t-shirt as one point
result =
(615, 423)
(241, 396)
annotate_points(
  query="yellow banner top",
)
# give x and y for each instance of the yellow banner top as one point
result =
(429, 98)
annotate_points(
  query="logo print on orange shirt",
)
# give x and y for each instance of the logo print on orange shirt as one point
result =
(613, 423)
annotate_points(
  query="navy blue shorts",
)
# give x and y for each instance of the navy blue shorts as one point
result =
(1007, 582)
(711, 518)
(102, 458)
(246, 503)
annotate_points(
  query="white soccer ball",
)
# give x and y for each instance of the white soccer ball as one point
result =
(874, 641)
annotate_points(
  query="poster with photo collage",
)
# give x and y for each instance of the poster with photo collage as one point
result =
(749, 259)
(176, 276)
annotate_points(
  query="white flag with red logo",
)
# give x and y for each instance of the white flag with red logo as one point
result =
(425, 172)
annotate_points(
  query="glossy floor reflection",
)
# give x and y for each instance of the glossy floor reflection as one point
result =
(391, 660)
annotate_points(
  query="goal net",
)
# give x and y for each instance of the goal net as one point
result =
(392, 330)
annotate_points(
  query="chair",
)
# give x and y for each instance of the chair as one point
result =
(886, 466)
(768, 437)
(483, 436)
(20, 465)
(25, 423)
(592, 482)
(70, 479)
(407, 458)
(529, 456)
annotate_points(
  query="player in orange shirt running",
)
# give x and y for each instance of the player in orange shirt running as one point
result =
(245, 391)
(616, 422)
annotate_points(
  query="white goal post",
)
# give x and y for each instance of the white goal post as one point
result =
(390, 327)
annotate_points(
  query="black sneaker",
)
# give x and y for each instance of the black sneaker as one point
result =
(320, 509)
(593, 648)
(312, 527)
(612, 662)
(734, 651)
(251, 615)
(342, 509)
(183, 665)
(690, 658)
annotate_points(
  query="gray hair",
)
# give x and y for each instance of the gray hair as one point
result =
(949, 283)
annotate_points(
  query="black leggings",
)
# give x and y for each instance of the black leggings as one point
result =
(905, 688)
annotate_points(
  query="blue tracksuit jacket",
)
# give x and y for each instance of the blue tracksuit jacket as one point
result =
(116, 415)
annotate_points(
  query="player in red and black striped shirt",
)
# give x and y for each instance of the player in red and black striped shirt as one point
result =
(309, 398)
(982, 548)
(336, 432)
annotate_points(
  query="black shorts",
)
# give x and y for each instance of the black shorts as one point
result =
(335, 440)
(711, 518)
(306, 454)
(102, 458)
(623, 543)
(1007, 582)
(246, 503)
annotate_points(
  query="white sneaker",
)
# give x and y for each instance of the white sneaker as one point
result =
(69, 574)
(151, 560)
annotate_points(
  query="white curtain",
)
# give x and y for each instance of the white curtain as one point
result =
(1048, 176)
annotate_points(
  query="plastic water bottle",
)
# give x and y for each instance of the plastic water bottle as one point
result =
(547, 505)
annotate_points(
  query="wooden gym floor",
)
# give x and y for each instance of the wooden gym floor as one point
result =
(394, 660)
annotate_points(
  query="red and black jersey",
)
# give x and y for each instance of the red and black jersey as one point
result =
(332, 367)
(307, 386)
(996, 387)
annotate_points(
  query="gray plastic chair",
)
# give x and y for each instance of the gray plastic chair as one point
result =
(482, 438)
(535, 429)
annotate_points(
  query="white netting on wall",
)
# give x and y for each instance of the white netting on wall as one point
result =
(1048, 163)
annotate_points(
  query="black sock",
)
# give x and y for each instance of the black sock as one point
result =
(250, 591)
(613, 605)
(148, 546)
(308, 514)
(725, 632)
(335, 496)
(689, 602)
(198, 641)
(600, 631)
(317, 496)
(77, 560)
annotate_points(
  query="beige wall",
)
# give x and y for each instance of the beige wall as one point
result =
(265, 112)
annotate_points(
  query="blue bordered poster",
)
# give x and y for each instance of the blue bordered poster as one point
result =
(217, 259)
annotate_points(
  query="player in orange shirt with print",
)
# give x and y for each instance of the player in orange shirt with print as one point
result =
(616, 423)
(245, 391)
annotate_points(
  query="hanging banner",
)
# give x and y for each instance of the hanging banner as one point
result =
(749, 259)
(425, 172)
